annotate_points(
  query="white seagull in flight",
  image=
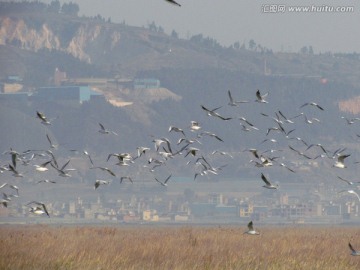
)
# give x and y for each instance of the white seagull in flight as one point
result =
(232, 102)
(103, 130)
(40, 209)
(165, 182)
(251, 229)
(268, 185)
(340, 161)
(312, 104)
(261, 98)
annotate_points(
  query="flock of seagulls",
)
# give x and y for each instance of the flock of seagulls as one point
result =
(190, 149)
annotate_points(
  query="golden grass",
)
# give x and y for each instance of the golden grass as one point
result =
(47, 247)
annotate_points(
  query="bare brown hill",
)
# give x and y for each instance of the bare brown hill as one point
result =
(99, 47)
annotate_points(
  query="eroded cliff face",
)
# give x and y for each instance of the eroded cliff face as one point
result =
(16, 32)
(84, 35)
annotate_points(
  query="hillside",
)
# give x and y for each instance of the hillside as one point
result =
(95, 46)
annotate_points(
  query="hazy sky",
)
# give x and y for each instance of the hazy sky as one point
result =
(229, 21)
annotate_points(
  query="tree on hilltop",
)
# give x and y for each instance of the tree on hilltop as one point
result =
(71, 9)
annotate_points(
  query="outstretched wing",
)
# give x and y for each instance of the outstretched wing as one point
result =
(167, 179)
(101, 126)
(265, 179)
(342, 158)
(351, 247)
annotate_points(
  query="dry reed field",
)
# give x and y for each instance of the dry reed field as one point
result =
(91, 247)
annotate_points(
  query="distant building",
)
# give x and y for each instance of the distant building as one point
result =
(202, 209)
(260, 212)
(216, 198)
(246, 210)
(78, 94)
(11, 84)
(180, 218)
(332, 209)
(13, 79)
(14, 97)
(150, 215)
(226, 210)
(146, 83)
(291, 211)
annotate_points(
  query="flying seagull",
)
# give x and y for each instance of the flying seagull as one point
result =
(122, 157)
(251, 229)
(173, 2)
(40, 209)
(299, 152)
(222, 153)
(50, 142)
(353, 251)
(312, 104)
(192, 151)
(45, 181)
(188, 141)
(215, 114)
(126, 177)
(350, 121)
(104, 169)
(194, 126)
(141, 150)
(347, 181)
(247, 122)
(232, 102)
(287, 120)
(42, 167)
(100, 182)
(7, 197)
(158, 142)
(43, 118)
(103, 130)
(283, 165)
(62, 172)
(310, 121)
(319, 145)
(300, 140)
(268, 185)
(261, 98)
(176, 129)
(265, 162)
(340, 161)
(210, 134)
(247, 128)
(165, 182)
(88, 155)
